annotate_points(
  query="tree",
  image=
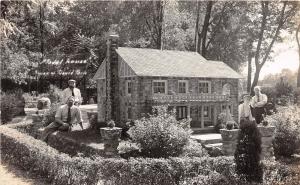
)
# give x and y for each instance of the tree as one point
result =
(266, 30)
(298, 43)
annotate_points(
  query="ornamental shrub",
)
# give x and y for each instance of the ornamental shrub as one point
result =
(8, 107)
(161, 135)
(247, 154)
(49, 115)
(222, 119)
(287, 135)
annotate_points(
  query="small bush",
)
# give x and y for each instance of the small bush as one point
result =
(54, 94)
(287, 135)
(8, 107)
(222, 119)
(161, 135)
(194, 149)
(247, 154)
(49, 115)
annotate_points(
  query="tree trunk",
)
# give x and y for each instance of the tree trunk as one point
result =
(197, 27)
(249, 72)
(298, 43)
(205, 27)
(255, 79)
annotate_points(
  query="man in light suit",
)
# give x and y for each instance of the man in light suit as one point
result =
(72, 91)
(258, 103)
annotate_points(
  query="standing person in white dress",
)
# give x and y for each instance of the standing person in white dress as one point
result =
(71, 90)
(245, 109)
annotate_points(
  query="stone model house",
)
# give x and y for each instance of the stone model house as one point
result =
(132, 80)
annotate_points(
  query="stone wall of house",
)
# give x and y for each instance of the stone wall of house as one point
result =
(142, 90)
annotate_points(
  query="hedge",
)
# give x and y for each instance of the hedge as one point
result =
(61, 169)
(35, 155)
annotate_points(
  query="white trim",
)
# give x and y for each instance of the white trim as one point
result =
(209, 85)
(166, 86)
(186, 86)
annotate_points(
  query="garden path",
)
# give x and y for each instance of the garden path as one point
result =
(11, 175)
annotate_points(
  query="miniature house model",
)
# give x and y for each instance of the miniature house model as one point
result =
(132, 80)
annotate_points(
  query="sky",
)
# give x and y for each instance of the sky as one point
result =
(285, 56)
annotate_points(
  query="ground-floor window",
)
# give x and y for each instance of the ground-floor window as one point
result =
(181, 112)
(129, 113)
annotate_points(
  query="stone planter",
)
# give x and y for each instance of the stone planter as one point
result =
(229, 140)
(111, 139)
(267, 133)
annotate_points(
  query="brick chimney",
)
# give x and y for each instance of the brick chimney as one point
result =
(112, 80)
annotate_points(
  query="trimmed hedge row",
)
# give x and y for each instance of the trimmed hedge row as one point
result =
(35, 155)
(61, 169)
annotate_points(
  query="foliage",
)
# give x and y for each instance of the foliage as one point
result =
(161, 135)
(247, 154)
(36, 156)
(287, 135)
(55, 94)
(283, 88)
(222, 119)
(8, 107)
(49, 115)
(194, 149)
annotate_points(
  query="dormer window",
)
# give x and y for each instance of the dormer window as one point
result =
(204, 87)
(159, 86)
(182, 86)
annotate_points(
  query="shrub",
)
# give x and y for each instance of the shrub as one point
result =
(61, 169)
(49, 115)
(247, 154)
(222, 119)
(194, 149)
(8, 107)
(161, 135)
(54, 94)
(287, 122)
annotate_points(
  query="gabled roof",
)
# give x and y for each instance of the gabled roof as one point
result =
(170, 63)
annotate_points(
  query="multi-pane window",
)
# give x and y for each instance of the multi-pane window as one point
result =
(159, 87)
(181, 112)
(129, 87)
(182, 86)
(204, 87)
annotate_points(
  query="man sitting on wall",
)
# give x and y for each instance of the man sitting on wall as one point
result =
(258, 103)
(64, 118)
(71, 90)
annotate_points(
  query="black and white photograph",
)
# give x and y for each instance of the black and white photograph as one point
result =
(150, 92)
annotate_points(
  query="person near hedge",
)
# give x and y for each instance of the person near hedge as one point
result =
(245, 109)
(71, 90)
(258, 103)
(64, 118)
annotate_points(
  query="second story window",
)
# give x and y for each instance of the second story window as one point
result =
(204, 87)
(159, 86)
(128, 87)
(182, 86)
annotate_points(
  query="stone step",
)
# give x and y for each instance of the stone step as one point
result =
(214, 145)
(209, 138)
(209, 129)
